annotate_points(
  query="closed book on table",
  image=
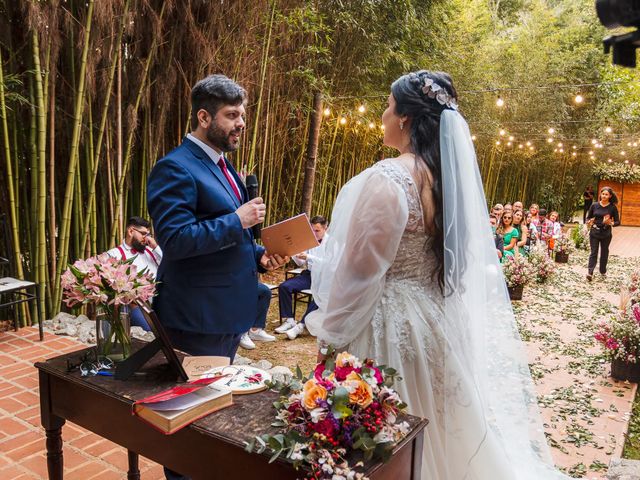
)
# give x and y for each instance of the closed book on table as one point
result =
(289, 237)
(177, 407)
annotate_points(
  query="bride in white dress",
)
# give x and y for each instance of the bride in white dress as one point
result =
(410, 278)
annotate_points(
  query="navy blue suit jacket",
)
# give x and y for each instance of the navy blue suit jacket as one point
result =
(209, 271)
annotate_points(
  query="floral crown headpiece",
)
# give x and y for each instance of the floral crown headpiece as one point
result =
(436, 92)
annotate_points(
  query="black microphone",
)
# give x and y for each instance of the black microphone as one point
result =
(252, 189)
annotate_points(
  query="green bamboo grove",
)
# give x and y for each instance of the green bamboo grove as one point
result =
(93, 92)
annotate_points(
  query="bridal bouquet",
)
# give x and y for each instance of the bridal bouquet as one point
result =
(344, 405)
(620, 337)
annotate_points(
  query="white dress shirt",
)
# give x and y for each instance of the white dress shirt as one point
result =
(213, 155)
(149, 259)
(313, 254)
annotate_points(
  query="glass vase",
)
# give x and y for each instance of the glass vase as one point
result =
(113, 332)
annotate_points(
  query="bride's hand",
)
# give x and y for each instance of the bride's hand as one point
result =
(320, 357)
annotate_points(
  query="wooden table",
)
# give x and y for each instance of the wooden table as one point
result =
(210, 448)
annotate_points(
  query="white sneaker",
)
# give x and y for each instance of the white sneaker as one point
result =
(259, 335)
(288, 324)
(292, 333)
(246, 343)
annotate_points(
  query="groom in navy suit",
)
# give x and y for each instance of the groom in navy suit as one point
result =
(208, 290)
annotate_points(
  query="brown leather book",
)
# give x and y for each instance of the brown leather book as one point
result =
(289, 237)
(173, 409)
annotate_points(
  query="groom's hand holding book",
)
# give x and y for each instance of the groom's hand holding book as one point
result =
(252, 213)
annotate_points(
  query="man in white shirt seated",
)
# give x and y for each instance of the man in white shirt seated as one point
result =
(301, 282)
(139, 244)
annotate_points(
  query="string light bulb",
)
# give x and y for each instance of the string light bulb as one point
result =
(511, 138)
(549, 140)
(608, 129)
(327, 112)
(499, 102)
(578, 99)
(372, 125)
(343, 121)
(474, 138)
(362, 108)
(503, 132)
(528, 144)
(551, 130)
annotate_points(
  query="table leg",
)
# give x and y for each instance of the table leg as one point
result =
(134, 472)
(54, 453)
(53, 427)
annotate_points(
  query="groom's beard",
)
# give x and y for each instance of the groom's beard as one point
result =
(221, 139)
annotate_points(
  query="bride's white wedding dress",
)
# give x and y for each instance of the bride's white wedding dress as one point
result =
(459, 355)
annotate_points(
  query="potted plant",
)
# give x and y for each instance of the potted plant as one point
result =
(112, 285)
(630, 290)
(543, 266)
(580, 237)
(563, 247)
(620, 338)
(517, 273)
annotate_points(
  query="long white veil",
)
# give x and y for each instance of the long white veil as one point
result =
(486, 367)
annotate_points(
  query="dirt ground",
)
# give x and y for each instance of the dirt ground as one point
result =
(289, 353)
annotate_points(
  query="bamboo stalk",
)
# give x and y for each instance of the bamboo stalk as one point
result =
(103, 122)
(13, 210)
(41, 178)
(263, 74)
(63, 251)
(127, 159)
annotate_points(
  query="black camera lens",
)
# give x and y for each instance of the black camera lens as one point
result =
(618, 13)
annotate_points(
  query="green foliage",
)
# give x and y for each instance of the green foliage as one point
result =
(618, 172)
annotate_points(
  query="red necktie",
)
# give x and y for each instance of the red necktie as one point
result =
(223, 166)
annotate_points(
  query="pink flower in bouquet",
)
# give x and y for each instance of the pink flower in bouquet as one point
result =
(612, 344)
(636, 312)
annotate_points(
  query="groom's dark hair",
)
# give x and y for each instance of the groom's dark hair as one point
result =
(213, 92)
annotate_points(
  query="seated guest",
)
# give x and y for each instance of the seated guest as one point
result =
(532, 232)
(140, 245)
(508, 208)
(544, 226)
(509, 233)
(300, 282)
(497, 211)
(497, 238)
(533, 209)
(519, 224)
(556, 230)
(257, 332)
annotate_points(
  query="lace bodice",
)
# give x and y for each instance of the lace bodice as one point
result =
(413, 260)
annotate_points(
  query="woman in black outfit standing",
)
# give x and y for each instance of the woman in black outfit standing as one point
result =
(602, 216)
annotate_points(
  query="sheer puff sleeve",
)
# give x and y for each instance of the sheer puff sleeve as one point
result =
(367, 223)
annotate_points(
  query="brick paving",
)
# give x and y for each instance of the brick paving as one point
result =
(22, 442)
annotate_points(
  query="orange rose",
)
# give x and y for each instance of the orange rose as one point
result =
(311, 392)
(360, 392)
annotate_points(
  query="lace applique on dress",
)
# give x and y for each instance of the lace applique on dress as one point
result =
(410, 274)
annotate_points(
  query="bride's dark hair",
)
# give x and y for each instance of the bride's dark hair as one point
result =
(424, 113)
